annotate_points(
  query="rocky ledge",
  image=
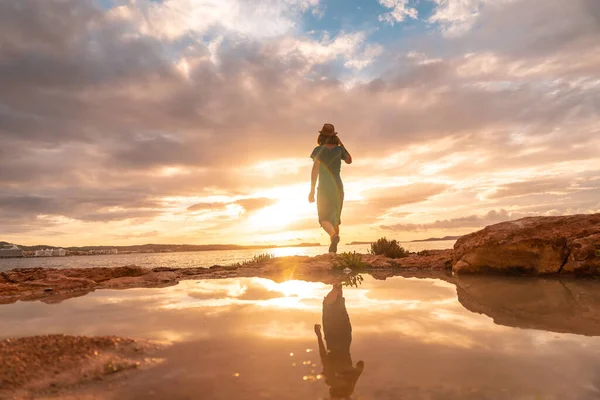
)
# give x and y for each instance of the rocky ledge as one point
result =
(534, 245)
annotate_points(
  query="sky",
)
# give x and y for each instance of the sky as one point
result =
(192, 121)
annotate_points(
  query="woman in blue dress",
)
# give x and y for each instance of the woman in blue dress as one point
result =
(327, 161)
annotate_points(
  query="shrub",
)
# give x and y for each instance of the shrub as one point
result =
(388, 248)
(352, 261)
(423, 253)
(259, 258)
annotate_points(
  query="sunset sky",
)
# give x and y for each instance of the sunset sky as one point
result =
(192, 121)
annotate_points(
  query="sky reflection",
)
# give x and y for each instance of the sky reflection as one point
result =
(413, 334)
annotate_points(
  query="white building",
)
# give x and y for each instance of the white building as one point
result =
(51, 253)
(59, 252)
(10, 251)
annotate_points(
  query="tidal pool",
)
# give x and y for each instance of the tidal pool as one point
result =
(252, 338)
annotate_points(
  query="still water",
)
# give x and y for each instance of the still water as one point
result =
(252, 338)
(194, 258)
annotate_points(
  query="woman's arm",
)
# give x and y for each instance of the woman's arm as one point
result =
(322, 350)
(348, 158)
(313, 180)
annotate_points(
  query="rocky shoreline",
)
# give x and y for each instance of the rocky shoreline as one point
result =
(53, 285)
(542, 246)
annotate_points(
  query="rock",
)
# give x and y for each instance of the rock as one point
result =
(432, 260)
(584, 258)
(376, 261)
(533, 245)
(57, 280)
(32, 365)
(8, 288)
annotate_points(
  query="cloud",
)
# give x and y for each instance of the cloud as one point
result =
(384, 198)
(112, 118)
(400, 10)
(548, 185)
(176, 18)
(252, 204)
(471, 221)
(456, 17)
(203, 206)
(249, 204)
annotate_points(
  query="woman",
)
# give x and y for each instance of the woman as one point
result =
(327, 157)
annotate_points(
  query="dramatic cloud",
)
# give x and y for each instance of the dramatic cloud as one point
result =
(192, 120)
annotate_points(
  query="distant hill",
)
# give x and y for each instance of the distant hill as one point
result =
(355, 243)
(159, 248)
(436, 239)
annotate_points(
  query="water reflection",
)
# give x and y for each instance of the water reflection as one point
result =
(253, 338)
(557, 305)
(339, 372)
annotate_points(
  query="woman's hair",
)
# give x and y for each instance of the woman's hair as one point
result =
(324, 139)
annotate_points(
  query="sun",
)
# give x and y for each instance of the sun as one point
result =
(292, 206)
(276, 216)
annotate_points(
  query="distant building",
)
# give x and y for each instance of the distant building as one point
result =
(59, 252)
(51, 253)
(114, 251)
(10, 251)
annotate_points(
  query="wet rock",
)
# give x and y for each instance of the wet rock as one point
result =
(533, 245)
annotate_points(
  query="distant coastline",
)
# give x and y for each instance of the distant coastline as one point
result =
(435, 239)
(156, 248)
(413, 241)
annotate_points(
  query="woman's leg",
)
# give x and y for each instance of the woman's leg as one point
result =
(329, 228)
(337, 230)
(333, 235)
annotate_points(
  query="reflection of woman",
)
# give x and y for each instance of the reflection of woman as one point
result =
(340, 375)
(327, 157)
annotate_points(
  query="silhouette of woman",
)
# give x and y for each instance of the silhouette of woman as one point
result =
(340, 375)
(327, 160)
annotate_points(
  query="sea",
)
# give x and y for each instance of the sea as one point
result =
(195, 259)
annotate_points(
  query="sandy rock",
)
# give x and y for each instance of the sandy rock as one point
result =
(59, 281)
(31, 366)
(152, 279)
(429, 260)
(379, 261)
(100, 274)
(534, 245)
(8, 288)
(584, 258)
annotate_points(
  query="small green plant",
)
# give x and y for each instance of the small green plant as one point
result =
(352, 261)
(353, 281)
(388, 248)
(259, 258)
